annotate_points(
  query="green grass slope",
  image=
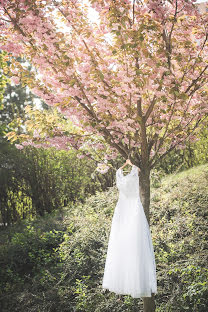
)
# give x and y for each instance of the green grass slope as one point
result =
(56, 263)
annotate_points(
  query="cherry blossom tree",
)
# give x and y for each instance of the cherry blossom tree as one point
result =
(130, 75)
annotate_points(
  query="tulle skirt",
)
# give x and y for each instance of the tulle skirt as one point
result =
(130, 263)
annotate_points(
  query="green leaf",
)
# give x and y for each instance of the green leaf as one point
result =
(72, 82)
(101, 75)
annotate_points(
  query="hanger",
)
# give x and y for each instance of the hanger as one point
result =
(128, 162)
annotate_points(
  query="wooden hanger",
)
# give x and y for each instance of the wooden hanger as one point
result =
(128, 162)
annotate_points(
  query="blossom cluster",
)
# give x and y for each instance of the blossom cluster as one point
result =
(102, 168)
(118, 75)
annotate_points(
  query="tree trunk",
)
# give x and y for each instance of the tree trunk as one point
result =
(144, 188)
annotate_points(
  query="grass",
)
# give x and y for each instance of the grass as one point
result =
(56, 263)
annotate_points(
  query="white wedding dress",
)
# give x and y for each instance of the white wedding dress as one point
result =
(130, 262)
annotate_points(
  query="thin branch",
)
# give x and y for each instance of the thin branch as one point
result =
(194, 81)
(173, 146)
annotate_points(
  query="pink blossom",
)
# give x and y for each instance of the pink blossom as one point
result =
(19, 146)
(15, 79)
(102, 168)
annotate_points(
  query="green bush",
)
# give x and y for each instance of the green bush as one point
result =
(36, 181)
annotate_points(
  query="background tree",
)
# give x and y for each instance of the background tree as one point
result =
(135, 78)
(35, 182)
(3, 83)
(194, 154)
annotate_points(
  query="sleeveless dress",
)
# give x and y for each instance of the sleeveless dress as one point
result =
(130, 262)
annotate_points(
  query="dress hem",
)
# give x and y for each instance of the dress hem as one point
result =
(130, 294)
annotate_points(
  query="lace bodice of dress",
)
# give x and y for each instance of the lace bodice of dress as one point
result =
(128, 185)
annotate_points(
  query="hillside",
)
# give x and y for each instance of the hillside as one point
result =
(56, 263)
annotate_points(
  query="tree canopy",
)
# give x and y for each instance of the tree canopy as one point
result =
(133, 78)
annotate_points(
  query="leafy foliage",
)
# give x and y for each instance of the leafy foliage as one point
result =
(3, 78)
(56, 262)
(193, 154)
(37, 181)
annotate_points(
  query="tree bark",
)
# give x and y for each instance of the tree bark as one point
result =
(144, 189)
